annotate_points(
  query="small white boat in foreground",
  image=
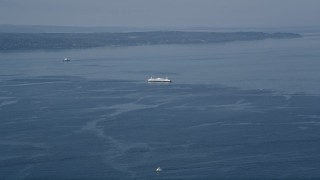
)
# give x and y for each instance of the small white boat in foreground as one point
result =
(158, 79)
(158, 169)
(66, 59)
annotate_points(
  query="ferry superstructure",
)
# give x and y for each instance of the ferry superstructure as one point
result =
(158, 79)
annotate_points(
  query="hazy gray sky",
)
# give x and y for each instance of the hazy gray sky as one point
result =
(177, 13)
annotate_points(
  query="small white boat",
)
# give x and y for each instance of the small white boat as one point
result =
(158, 79)
(66, 59)
(158, 169)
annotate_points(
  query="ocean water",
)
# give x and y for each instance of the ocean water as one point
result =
(240, 110)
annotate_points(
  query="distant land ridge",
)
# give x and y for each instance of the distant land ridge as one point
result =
(28, 41)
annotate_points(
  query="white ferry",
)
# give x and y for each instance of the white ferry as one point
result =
(159, 80)
(66, 59)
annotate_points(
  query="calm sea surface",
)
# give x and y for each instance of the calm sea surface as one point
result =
(241, 110)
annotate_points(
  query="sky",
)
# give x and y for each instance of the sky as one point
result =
(162, 13)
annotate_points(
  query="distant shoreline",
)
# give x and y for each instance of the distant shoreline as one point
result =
(33, 41)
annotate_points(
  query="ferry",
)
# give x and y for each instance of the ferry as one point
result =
(158, 79)
(66, 59)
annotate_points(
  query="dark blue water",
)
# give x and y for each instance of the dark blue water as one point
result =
(248, 110)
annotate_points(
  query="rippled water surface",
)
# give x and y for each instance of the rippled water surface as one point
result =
(234, 110)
